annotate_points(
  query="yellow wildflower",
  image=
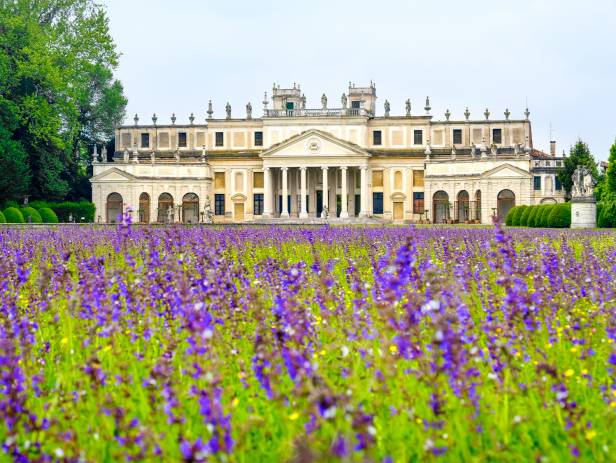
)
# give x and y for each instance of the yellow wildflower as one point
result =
(293, 416)
(590, 434)
(393, 349)
(569, 372)
(235, 402)
(64, 341)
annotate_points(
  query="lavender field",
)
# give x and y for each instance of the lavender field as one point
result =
(315, 344)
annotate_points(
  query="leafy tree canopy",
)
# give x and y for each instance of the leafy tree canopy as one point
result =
(610, 176)
(58, 95)
(579, 154)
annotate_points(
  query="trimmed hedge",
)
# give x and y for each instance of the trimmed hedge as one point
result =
(48, 215)
(78, 210)
(13, 215)
(510, 215)
(524, 216)
(532, 217)
(31, 215)
(2, 219)
(560, 216)
(546, 209)
(517, 217)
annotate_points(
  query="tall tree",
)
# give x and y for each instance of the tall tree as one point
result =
(610, 176)
(579, 155)
(57, 59)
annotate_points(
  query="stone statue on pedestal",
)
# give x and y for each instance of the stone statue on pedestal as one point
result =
(177, 155)
(94, 156)
(407, 106)
(387, 108)
(228, 110)
(170, 215)
(104, 154)
(324, 101)
(583, 183)
(583, 202)
(208, 217)
(325, 212)
(303, 101)
(343, 100)
(249, 111)
(125, 155)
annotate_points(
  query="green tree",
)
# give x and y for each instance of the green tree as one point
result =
(579, 154)
(14, 171)
(610, 176)
(57, 59)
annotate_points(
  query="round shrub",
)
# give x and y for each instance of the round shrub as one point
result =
(560, 217)
(2, 219)
(13, 215)
(606, 214)
(517, 217)
(510, 214)
(545, 213)
(31, 215)
(48, 215)
(532, 217)
(524, 216)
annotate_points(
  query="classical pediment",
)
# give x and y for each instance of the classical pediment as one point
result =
(113, 175)
(506, 171)
(314, 144)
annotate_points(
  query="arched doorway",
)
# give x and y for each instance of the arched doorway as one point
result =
(190, 208)
(505, 201)
(114, 207)
(144, 208)
(463, 206)
(440, 207)
(478, 206)
(165, 208)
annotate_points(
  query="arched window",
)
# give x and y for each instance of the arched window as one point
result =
(440, 207)
(462, 206)
(165, 208)
(505, 201)
(114, 208)
(397, 180)
(190, 208)
(144, 208)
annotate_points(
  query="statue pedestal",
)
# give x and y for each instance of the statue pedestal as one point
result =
(584, 212)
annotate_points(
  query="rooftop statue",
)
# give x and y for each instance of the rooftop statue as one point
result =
(387, 108)
(249, 111)
(324, 101)
(343, 100)
(228, 109)
(407, 105)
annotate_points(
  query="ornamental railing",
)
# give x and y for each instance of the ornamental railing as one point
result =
(333, 112)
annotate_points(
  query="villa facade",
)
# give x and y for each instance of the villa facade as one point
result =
(295, 162)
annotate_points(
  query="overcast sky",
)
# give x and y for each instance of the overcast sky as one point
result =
(560, 56)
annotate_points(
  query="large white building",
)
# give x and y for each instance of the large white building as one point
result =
(294, 161)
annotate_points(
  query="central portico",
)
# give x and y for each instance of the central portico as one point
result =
(318, 170)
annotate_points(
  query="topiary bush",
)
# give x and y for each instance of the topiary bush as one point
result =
(545, 213)
(78, 210)
(532, 217)
(48, 215)
(560, 216)
(31, 215)
(524, 216)
(510, 214)
(606, 214)
(517, 217)
(2, 219)
(13, 215)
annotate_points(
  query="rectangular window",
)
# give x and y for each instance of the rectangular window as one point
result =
(258, 204)
(182, 140)
(220, 139)
(377, 203)
(377, 178)
(497, 136)
(219, 204)
(457, 136)
(290, 106)
(258, 138)
(355, 104)
(219, 179)
(537, 183)
(376, 137)
(559, 186)
(417, 137)
(257, 180)
(145, 140)
(418, 203)
(418, 178)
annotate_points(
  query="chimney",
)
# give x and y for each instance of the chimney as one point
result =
(553, 148)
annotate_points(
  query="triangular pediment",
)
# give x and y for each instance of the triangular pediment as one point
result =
(506, 171)
(314, 143)
(113, 175)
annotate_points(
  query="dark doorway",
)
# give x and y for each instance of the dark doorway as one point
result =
(338, 205)
(319, 202)
(357, 205)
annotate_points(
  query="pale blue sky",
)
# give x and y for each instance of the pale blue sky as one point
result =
(560, 55)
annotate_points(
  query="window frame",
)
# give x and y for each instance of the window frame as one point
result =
(417, 133)
(417, 201)
(453, 136)
(219, 204)
(377, 202)
(377, 135)
(257, 203)
(500, 136)
(147, 137)
(537, 183)
(182, 139)
(219, 139)
(258, 138)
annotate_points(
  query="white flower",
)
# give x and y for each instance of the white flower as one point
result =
(345, 351)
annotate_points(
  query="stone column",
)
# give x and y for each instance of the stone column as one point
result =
(267, 193)
(325, 194)
(344, 213)
(363, 210)
(303, 213)
(284, 214)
